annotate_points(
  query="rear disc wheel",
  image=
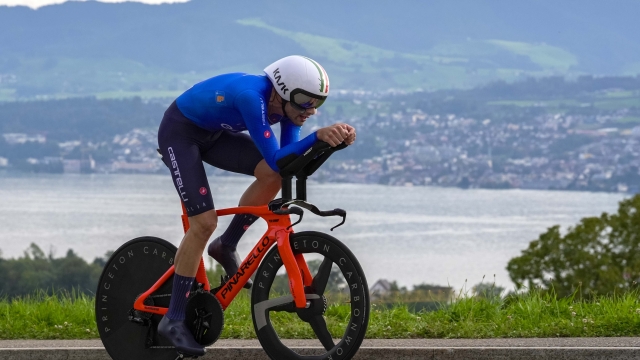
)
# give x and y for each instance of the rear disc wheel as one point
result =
(132, 270)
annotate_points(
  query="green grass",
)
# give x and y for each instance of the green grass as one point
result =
(618, 103)
(363, 66)
(70, 316)
(67, 316)
(546, 56)
(144, 94)
(533, 315)
(630, 120)
(560, 103)
(346, 52)
(620, 94)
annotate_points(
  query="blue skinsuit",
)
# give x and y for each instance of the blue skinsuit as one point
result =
(236, 102)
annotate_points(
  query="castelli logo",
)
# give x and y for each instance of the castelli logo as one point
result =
(188, 293)
(203, 191)
(267, 134)
(246, 227)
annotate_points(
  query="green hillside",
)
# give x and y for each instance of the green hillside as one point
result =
(131, 49)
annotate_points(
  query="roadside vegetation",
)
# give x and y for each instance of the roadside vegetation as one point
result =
(599, 255)
(581, 283)
(536, 313)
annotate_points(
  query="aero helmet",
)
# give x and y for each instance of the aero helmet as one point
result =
(299, 80)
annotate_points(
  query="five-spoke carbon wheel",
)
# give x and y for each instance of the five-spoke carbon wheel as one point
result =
(337, 312)
(132, 270)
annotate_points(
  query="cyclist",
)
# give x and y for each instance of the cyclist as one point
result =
(205, 124)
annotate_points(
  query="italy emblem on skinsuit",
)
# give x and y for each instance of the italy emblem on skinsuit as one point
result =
(220, 98)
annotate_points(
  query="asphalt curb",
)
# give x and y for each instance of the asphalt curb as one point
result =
(525, 349)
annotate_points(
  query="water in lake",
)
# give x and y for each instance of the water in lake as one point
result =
(409, 234)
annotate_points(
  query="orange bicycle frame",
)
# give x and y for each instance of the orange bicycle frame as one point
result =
(279, 228)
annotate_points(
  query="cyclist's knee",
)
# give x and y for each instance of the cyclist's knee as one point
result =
(264, 172)
(272, 177)
(203, 225)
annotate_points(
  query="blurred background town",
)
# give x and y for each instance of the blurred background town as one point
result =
(467, 94)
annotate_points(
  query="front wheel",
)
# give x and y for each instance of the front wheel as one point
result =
(338, 301)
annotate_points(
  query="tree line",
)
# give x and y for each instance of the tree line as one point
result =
(87, 119)
(35, 270)
(600, 255)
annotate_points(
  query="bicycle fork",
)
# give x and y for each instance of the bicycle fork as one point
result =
(297, 269)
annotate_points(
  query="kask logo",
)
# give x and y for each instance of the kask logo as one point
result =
(277, 77)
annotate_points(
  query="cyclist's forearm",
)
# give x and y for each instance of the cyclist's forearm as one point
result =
(297, 148)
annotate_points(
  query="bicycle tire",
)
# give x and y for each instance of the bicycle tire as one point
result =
(333, 252)
(132, 270)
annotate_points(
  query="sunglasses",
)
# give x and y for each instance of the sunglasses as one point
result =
(302, 100)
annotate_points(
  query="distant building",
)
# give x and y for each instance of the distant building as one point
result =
(19, 138)
(78, 166)
(142, 167)
(380, 289)
(51, 164)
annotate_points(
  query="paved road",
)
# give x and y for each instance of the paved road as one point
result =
(403, 349)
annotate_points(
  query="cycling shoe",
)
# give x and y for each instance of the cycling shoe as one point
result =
(177, 332)
(227, 257)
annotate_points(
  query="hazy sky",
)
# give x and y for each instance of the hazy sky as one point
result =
(38, 3)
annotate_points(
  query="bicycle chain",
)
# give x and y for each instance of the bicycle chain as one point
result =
(159, 296)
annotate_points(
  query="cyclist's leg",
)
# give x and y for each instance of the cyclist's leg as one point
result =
(236, 152)
(264, 188)
(180, 143)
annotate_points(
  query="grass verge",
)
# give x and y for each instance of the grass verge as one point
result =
(535, 314)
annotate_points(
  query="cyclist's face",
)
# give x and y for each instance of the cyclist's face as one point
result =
(295, 115)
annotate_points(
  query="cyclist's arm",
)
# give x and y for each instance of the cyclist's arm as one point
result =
(289, 132)
(253, 108)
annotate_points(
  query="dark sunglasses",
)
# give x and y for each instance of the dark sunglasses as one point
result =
(302, 100)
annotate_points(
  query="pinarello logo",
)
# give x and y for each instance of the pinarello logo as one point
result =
(267, 134)
(203, 191)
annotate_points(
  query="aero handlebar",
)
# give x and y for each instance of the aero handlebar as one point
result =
(306, 164)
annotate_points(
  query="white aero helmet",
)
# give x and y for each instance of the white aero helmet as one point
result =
(299, 80)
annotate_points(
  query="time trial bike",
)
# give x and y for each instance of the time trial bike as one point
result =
(134, 290)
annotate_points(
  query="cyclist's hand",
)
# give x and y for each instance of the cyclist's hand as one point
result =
(351, 137)
(334, 134)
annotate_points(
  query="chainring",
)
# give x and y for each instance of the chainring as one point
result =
(204, 317)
